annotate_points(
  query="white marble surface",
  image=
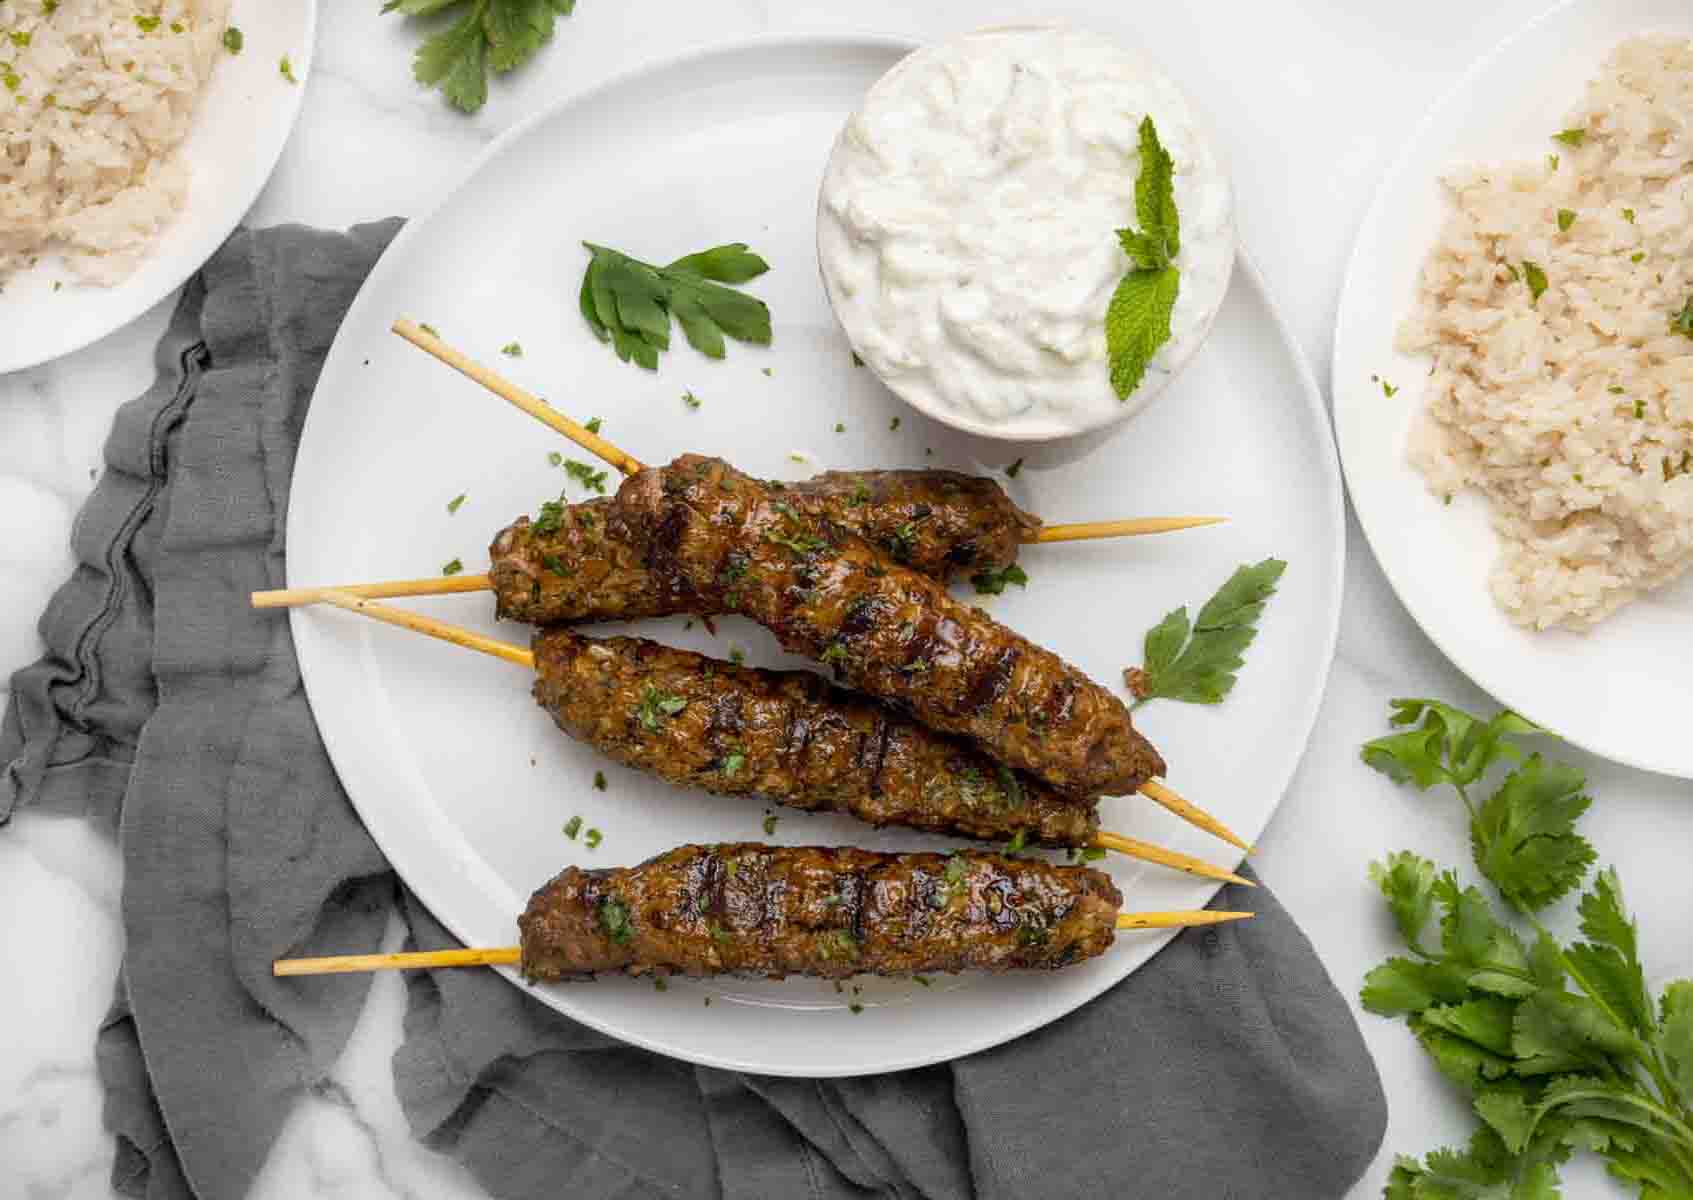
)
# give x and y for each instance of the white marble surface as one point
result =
(1312, 97)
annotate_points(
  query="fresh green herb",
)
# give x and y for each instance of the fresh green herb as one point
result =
(22, 37)
(737, 655)
(592, 425)
(1516, 275)
(233, 40)
(176, 27)
(855, 1007)
(453, 567)
(1388, 390)
(769, 824)
(1137, 321)
(429, 329)
(660, 984)
(955, 871)
(1639, 256)
(857, 361)
(555, 459)
(512, 350)
(834, 652)
(1682, 322)
(592, 839)
(10, 78)
(1031, 935)
(860, 494)
(992, 582)
(1009, 787)
(922, 979)
(1615, 390)
(1017, 842)
(1628, 215)
(585, 475)
(1566, 218)
(1552, 162)
(655, 706)
(556, 565)
(1090, 853)
(691, 400)
(1548, 1070)
(550, 519)
(769, 372)
(614, 920)
(840, 427)
(599, 781)
(1639, 410)
(1014, 469)
(286, 69)
(146, 24)
(456, 503)
(629, 303)
(501, 34)
(1536, 280)
(573, 827)
(893, 424)
(733, 762)
(1571, 137)
(1197, 661)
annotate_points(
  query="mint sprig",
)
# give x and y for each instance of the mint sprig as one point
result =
(1137, 321)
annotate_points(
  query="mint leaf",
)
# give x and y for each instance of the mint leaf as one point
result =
(1137, 321)
(1524, 836)
(1197, 661)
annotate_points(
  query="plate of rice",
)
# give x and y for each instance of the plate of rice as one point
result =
(1513, 377)
(136, 134)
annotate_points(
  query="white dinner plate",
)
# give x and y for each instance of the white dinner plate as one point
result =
(466, 783)
(239, 130)
(1622, 690)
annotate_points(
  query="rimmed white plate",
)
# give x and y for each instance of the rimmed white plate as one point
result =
(243, 121)
(1622, 690)
(465, 782)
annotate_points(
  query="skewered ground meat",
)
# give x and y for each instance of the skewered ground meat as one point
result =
(751, 909)
(788, 737)
(563, 566)
(887, 631)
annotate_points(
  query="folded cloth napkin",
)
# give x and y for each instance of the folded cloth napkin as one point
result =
(171, 713)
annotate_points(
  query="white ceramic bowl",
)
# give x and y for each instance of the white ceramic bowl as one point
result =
(904, 331)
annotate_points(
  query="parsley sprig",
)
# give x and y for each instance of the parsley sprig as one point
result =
(1196, 660)
(500, 35)
(1559, 1047)
(629, 303)
(1137, 321)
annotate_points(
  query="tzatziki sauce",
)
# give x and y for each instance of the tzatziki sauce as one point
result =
(967, 227)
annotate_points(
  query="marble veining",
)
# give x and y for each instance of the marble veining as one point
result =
(1310, 99)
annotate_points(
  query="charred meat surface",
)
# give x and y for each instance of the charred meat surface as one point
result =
(564, 566)
(790, 738)
(887, 631)
(751, 909)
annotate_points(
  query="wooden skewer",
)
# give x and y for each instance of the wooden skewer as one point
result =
(430, 627)
(503, 956)
(628, 464)
(445, 586)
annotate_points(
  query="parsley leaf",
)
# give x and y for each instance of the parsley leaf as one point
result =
(992, 582)
(629, 303)
(1197, 661)
(500, 35)
(1137, 320)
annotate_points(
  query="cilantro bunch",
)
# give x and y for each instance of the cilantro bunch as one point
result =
(500, 35)
(1559, 1047)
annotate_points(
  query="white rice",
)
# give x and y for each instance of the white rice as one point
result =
(1573, 415)
(95, 97)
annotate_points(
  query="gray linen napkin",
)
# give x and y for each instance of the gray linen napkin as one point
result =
(167, 710)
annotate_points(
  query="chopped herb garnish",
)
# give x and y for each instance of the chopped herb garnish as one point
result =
(769, 372)
(1536, 279)
(599, 781)
(834, 652)
(1639, 410)
(954, 873)
(287, 70)
(840, 427)
(592, 425)
(736, 654)
(1388, 389)
(1628, 215)
(769, 824)
(1552, 161)
(655, 706)
(1571, 137)
(233, 40)
(1010, 788)
(1639, 256)
(893, 424)
(1682, 322)
(660, 984)
(922, 979)
(1196, 661)
(1030, 935)
(857, 361)
(453, 567)
(1516, 276)
(614, 920)
(573, 827)
(556, 565)
(1017, 842)
(733, 762)
(555, 459)
(456, 503)
(585, 475)
(855, 1007)
(860, 493)
(992, 582)
(145, 24)
(1091, 853)
(1014, 469)
(593, 838)
(691, 400)
(512, 350)
(22, 37)
(1566, 218)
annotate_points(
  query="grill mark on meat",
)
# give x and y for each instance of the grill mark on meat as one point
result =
(832, 912)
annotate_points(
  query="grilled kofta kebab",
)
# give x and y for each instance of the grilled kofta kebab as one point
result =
(756, 910)
(827, 593)
(565, 565)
